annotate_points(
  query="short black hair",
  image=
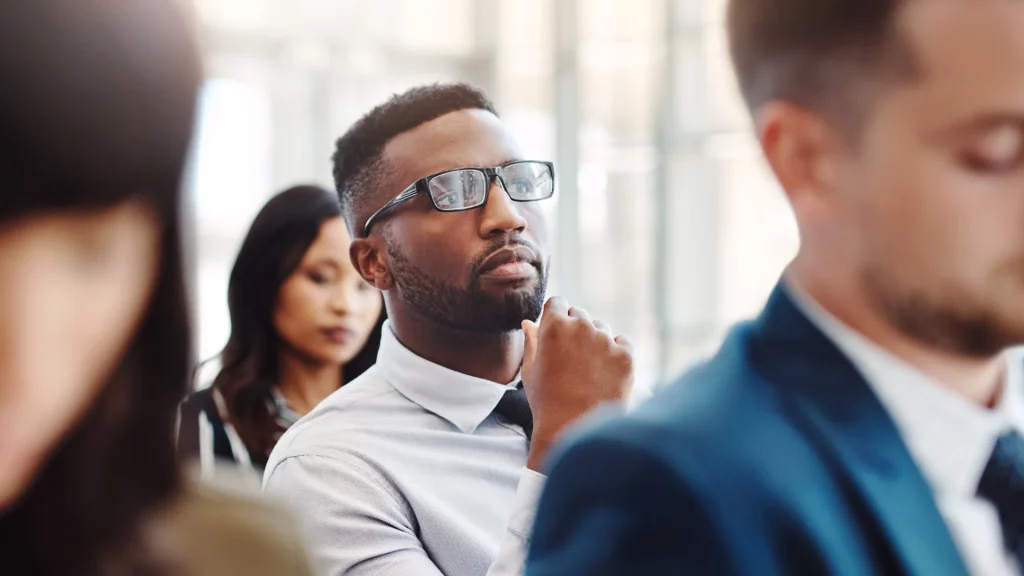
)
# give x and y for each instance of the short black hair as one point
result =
(815, 53)
(358, 159)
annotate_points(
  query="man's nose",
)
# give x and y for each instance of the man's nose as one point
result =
(500, 213)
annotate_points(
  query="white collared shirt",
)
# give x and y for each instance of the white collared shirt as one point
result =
(406, 472)
(949, 437)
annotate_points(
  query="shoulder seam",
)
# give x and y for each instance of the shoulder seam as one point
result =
(355, 461)
(298, 431)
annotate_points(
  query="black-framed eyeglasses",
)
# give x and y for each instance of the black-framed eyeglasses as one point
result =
(467, 188)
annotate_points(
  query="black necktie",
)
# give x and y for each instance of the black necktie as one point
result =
(515, 408)
(1002, 484)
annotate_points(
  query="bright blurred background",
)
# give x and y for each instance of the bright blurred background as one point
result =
(668, 222)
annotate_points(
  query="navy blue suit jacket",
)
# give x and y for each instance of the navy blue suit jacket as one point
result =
(775, 457)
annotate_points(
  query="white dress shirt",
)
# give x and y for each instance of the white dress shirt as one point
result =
(949, 437)
(406, 471)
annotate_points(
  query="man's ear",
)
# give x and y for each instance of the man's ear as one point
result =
(369, 257)
(804, 152)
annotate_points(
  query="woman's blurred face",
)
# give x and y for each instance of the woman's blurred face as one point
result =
(325, 310)
(73, 288)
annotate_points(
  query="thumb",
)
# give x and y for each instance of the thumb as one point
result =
(530, 352)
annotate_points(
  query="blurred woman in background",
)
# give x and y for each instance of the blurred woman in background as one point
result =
(303, 322)
(96, 113)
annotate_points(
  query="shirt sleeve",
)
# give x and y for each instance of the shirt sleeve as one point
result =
(351, 520)
(511, 559)
(356, 524)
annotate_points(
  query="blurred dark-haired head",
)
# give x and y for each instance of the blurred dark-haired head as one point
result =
(96, 112)
(293, 292)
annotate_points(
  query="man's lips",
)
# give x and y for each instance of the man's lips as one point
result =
(515, 260)
(511, 272)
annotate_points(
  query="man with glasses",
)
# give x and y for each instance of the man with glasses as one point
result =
(427, 463)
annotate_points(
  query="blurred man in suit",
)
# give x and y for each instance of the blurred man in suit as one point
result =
(869, 421)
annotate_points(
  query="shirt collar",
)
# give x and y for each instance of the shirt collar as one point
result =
(278, 406)
(459, 398)
(950, 438)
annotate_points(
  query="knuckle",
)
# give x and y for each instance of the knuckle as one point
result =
(560, 322)
(554, 329)
(605, 341)
(623, 357)
(555, 301)
(572, 324)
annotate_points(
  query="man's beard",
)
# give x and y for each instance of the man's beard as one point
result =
(470, 308)
(957, 323)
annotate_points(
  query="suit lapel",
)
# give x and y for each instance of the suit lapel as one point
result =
(855, 434)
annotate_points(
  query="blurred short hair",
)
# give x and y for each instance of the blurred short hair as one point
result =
(824, 55)
(359, 165)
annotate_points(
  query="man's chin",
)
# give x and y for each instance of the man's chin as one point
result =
(508, 315)
(502, 306)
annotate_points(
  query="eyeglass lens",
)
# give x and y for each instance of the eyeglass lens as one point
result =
(462, 189)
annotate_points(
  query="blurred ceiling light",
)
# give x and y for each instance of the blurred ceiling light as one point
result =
(310, 55)
(594, 138)
(231, 175)
(592, 180)
(234, 14)
(732, 145)
(364, 59)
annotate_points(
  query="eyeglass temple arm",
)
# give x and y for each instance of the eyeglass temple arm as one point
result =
(406, 194)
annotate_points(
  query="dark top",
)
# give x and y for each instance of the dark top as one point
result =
(200, 404)
(206, 436)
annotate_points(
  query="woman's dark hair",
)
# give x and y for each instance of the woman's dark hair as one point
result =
(96, 109)
(272, 250)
